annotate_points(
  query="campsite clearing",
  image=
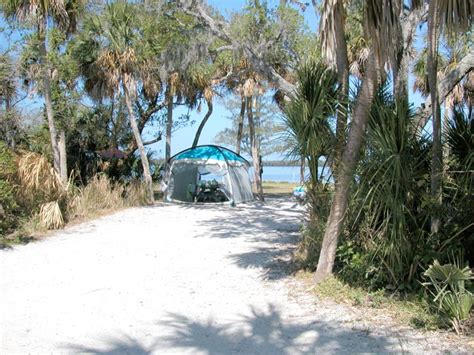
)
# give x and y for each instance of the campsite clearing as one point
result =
(181, 279)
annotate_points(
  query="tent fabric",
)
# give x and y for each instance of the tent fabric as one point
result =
(207, 152)
(190, 167)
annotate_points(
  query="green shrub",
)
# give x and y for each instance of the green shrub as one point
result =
(8, 204)
(448, 286)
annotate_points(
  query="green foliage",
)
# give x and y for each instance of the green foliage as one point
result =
(387, 240)
(389, 221)
(8, 204)
(410, 310)
(448, 286)
(309, 118)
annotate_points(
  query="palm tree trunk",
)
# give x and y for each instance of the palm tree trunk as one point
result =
(302, 168)
(62, 156)
(437, 152)
(254, 147)
(203, 123)
(349, 162)
(401, 80)
(240, 128)
(342, 65)
(169, 127)
(49, 105)
(342, 68)
(141, 147)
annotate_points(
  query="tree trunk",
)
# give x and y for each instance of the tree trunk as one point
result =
(203, 123)
(9, 125)
(48, 104)
(401, 81)
(141, 147)
(169, 128)
(336, 14)
(436, 153)
(302, 168)
(62, 156)
(240, 128)
(348, 164)
(254, 147)
(408, 28)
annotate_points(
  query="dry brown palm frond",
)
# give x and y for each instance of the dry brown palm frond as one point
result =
(248, 87)
(50, 215)
(36, 174)
(332, 10)
(173, 82)
(208, 93)
(383, 27)
(356, 68)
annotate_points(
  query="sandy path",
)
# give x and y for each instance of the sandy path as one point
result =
(176, 279)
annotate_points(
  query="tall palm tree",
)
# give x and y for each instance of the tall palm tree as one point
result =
(452, 16)
(383, 27)
(381, 23)
(115, 58)
(63, 14)
(334, 48)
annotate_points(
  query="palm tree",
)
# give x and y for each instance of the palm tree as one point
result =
(382, 24)
(208, 93)
(240, 127)
(115, 58)
(63, 14)
(454, 16)
(334, 47)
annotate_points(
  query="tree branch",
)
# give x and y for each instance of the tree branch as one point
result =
(221, 30)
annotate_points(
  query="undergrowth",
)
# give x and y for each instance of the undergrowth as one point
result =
(412, 310)
(34, 200)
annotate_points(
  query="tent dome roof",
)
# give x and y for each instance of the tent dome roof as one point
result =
(209, 152)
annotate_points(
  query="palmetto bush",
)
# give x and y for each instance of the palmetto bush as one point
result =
(449, 286)
(387, 234)
(458, 213)
(387, 241)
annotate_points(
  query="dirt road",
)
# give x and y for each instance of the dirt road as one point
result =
(177, 279)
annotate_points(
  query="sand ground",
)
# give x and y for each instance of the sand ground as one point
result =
(175, 279)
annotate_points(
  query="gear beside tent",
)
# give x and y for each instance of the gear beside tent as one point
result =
(208, 173)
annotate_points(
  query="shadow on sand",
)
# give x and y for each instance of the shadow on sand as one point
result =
(271, 230)
(260, 332)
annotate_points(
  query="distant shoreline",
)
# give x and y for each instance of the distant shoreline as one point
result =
(281, 163)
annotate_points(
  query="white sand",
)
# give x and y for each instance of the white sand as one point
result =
(179, 279)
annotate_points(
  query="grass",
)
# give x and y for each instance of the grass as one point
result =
(407, 310)
(100, 197)
(278, 189)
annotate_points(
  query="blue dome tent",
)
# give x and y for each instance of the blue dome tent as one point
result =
(197, 173)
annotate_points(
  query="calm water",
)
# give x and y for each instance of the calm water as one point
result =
(281, 173)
